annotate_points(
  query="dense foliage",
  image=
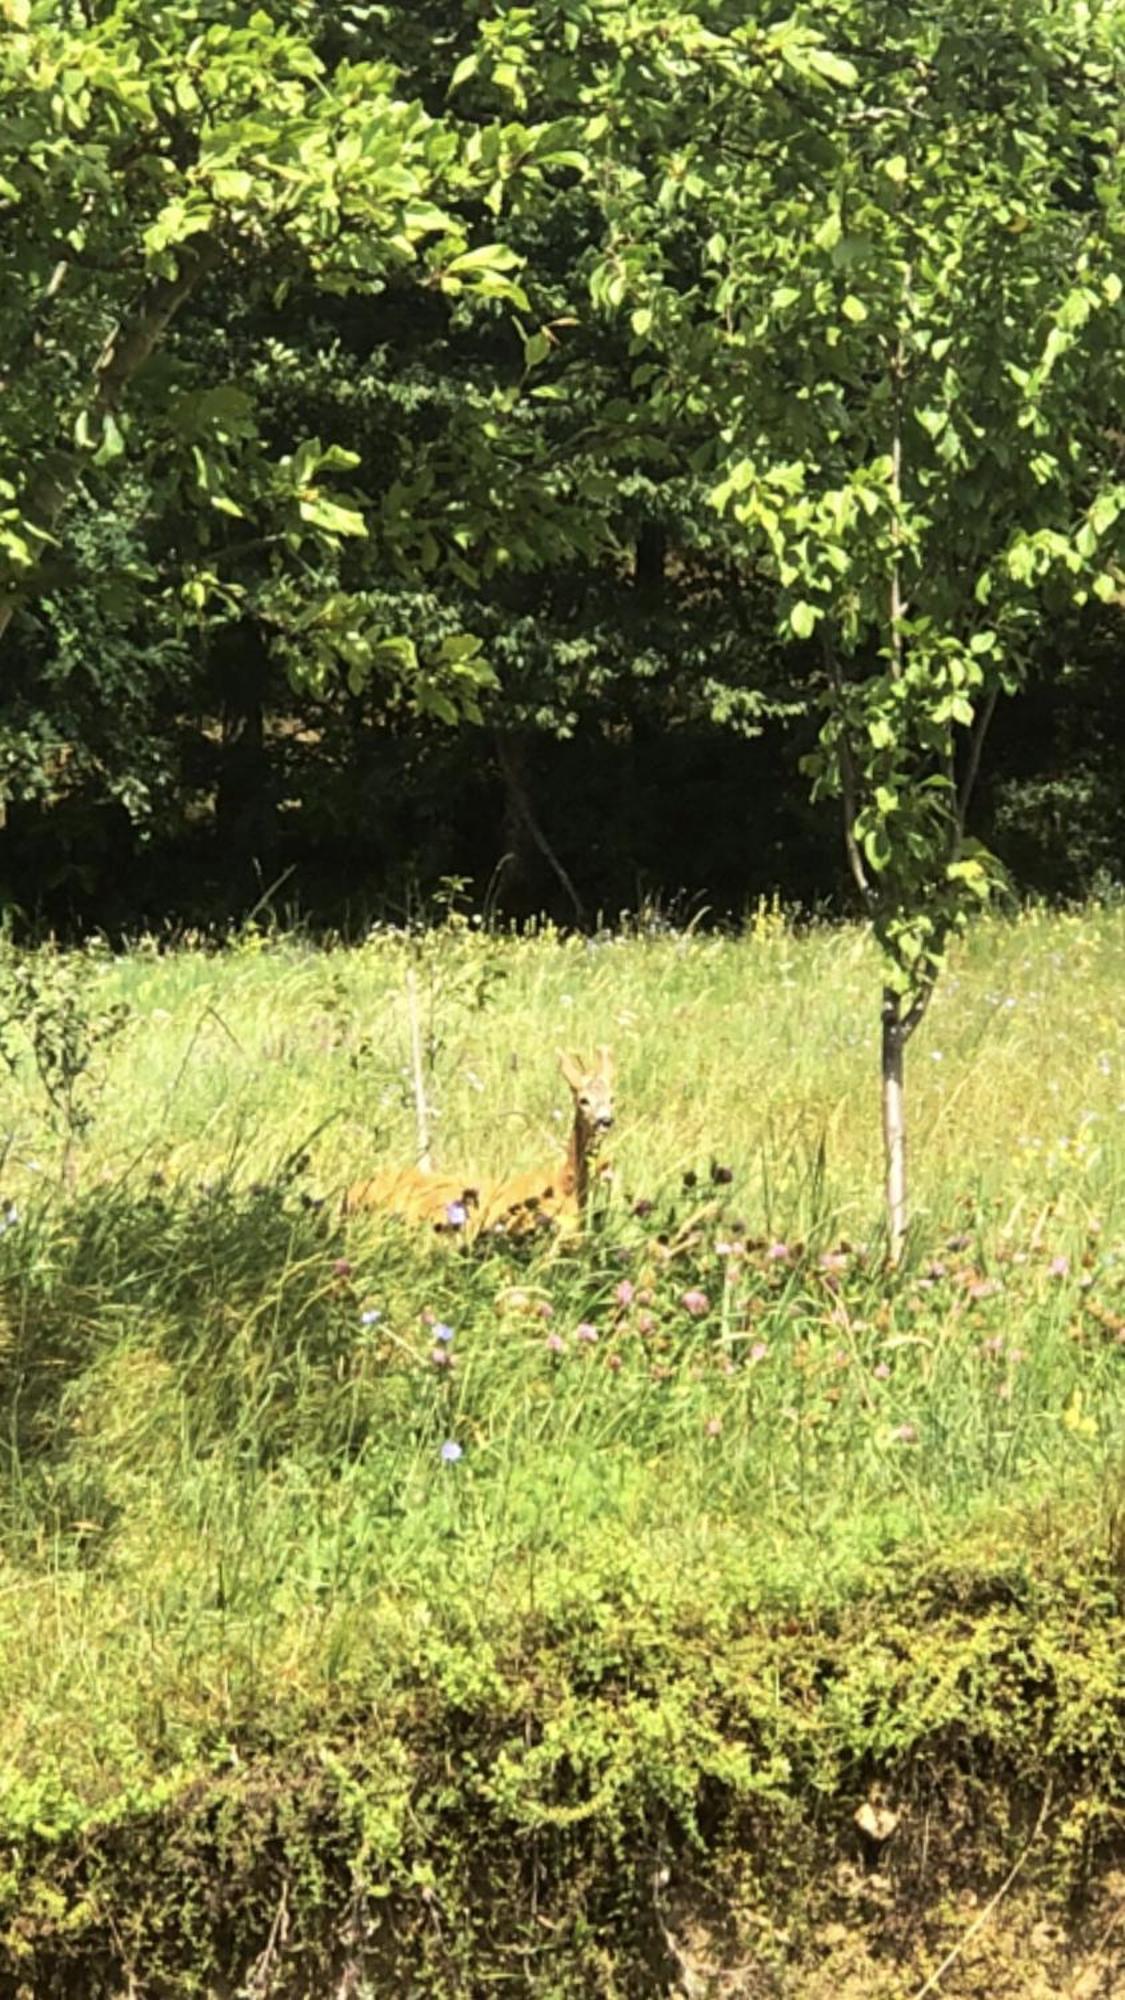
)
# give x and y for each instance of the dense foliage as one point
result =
(508, 442)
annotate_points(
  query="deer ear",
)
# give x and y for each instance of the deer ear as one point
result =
(605, 1060)
(573, 1069)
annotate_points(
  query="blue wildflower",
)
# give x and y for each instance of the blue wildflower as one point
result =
(451, 1451)
(456, 1214)
(441, 1331)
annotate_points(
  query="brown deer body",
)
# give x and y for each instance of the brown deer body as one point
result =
(552, 1197)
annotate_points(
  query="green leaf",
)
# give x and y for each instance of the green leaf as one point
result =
(321, 512)
(837, 69)
(113, 444)
(803, 618)
(853, 309)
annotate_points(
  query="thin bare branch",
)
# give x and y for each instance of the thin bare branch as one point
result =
(972, 768)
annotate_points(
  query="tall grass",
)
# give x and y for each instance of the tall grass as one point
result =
(248, 1469)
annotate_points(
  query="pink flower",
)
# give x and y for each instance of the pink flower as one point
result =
(1059, 1267)
(341, 1268)
(545, 1309)
(881, 1371)
(625, 1293)
(834, 1260)
(696, 1303)
(904, 1434)
(644, 1322)
(555, 1344)
(984, 1288)
(779, 1253)
(713, 1427)
(585, 1331)
(758, 1352)
(442, 1358)
(613, 1361)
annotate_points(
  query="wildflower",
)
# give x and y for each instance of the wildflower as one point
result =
(625, 1292)
(451, 1451)
(1058, 1267)
(758, 1351)
(696, 1303)
(984, 1288)
(994, 1346)
(456, 1214)
(713, 1427)
(881, 1371)
(545, 1309)
(555, 1344)
(644, 1322)
(341, 1268)
(584, 1331)
(441, 1357)
(613, 1361)
(904, 1434)
(779, 1253)
(442, 1332)
(834, 1260)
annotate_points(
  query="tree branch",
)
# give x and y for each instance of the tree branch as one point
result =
(972, 768)
(127, 349)
(847, 775)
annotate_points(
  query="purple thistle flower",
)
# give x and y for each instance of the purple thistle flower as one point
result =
(555, 1344)
(779, 1253)
(456, 1214)
(625, 1292)
(696, 1303)
(585, 1331)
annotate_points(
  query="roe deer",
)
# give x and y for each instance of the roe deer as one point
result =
(553, 1196)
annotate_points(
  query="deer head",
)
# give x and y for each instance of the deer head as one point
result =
(591, 1086)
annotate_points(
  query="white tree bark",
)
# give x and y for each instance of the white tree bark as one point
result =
(894, 1121)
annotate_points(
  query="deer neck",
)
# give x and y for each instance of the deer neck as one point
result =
(576, 1173)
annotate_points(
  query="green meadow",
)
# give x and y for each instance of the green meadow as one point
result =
(385, 1613)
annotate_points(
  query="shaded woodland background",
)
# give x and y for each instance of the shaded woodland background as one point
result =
(641, 742)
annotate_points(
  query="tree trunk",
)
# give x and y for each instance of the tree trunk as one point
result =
(246, 822)
(894, 1121)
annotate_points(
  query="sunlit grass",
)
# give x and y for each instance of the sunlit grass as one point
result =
(223, 1411)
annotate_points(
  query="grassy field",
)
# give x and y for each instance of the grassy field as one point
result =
(448, 1603)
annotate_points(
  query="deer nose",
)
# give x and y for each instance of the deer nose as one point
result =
(605, 1122)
